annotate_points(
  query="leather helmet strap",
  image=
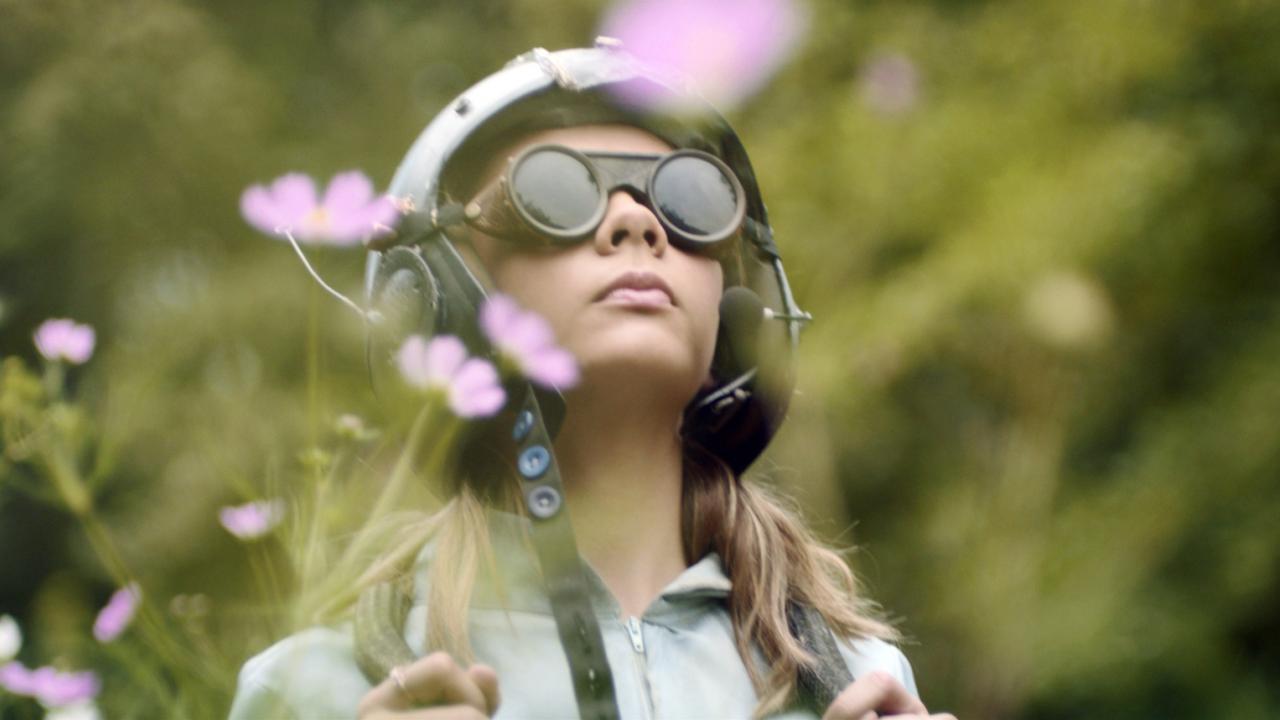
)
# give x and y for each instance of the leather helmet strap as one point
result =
(562, 569)
(817, 686)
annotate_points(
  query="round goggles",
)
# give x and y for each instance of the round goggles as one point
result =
(562, 194)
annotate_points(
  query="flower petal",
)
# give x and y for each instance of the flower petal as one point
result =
(55, 689)
(497, 314)
(17, 679)
(475, 390)
(295, 197)
(727, 48)
(116, 615)
(445, 355)
(63, 339)
(528, 335)
(252, 520)
(383, 211)
(346, 203)
(348, 192)
(259, 209)
(380, 216)
(552, 367)
(411, 358)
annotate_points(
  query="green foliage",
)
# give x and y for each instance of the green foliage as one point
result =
(1042, 380)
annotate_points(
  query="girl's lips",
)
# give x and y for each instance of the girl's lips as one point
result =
(648, 297)
(641, 282)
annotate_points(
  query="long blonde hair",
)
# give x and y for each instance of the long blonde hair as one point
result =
(768, 552)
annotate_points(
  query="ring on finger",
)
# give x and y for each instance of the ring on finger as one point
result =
(397, 677)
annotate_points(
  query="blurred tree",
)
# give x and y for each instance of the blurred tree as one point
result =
(1039, 239)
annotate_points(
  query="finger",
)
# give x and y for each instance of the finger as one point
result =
(437, 680)
(431, 680)
(381, 699)
(450, 712)
(876, 692)
(487, 680)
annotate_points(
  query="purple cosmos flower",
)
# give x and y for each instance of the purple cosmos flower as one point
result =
(64, 339)
(348, 214)
(726, 48)
(526, 339)
(252, 520)
(51, 687)
(116, 615)
(16, 678)
(471, 384)
(890, 84)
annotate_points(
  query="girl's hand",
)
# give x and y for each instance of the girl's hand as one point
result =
(878, 695)
(433, 688)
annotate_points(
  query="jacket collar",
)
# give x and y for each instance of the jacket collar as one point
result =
(514, 582)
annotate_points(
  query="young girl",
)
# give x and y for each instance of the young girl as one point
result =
(602, 554)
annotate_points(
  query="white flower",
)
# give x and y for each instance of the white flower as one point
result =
(10, 638)
(79, 711)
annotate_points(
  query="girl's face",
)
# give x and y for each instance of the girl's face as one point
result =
(628, 304)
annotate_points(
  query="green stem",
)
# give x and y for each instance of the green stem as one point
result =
(54, 376)
(313, 367)
(277, 587)
(406, 466)
(311, 548)
(144, 674)
(256, 565)
(72, 490)
(67, 481)
(312, 551)
(149, 622)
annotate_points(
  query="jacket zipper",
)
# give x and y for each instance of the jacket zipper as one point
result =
(637, 638)
(642, 667)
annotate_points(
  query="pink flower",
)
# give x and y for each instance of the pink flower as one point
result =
(348, 214)
(890, 84)
(471, 384)
(526, 339)
(64, 339)
(252, 520)
(51, 687)
(116, 615)
(726, 48)
(16, 678)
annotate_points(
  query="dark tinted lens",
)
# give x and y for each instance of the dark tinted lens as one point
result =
(695, 195)
(555, 189)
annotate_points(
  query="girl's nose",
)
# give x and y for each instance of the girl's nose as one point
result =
(628, 220)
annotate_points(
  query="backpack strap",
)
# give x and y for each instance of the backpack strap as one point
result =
(817, 686)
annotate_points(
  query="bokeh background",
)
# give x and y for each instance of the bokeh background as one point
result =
(1041, 241)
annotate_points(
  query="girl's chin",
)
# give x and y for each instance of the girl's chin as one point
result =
(641, 369)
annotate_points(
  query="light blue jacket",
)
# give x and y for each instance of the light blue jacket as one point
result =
(676, 661)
